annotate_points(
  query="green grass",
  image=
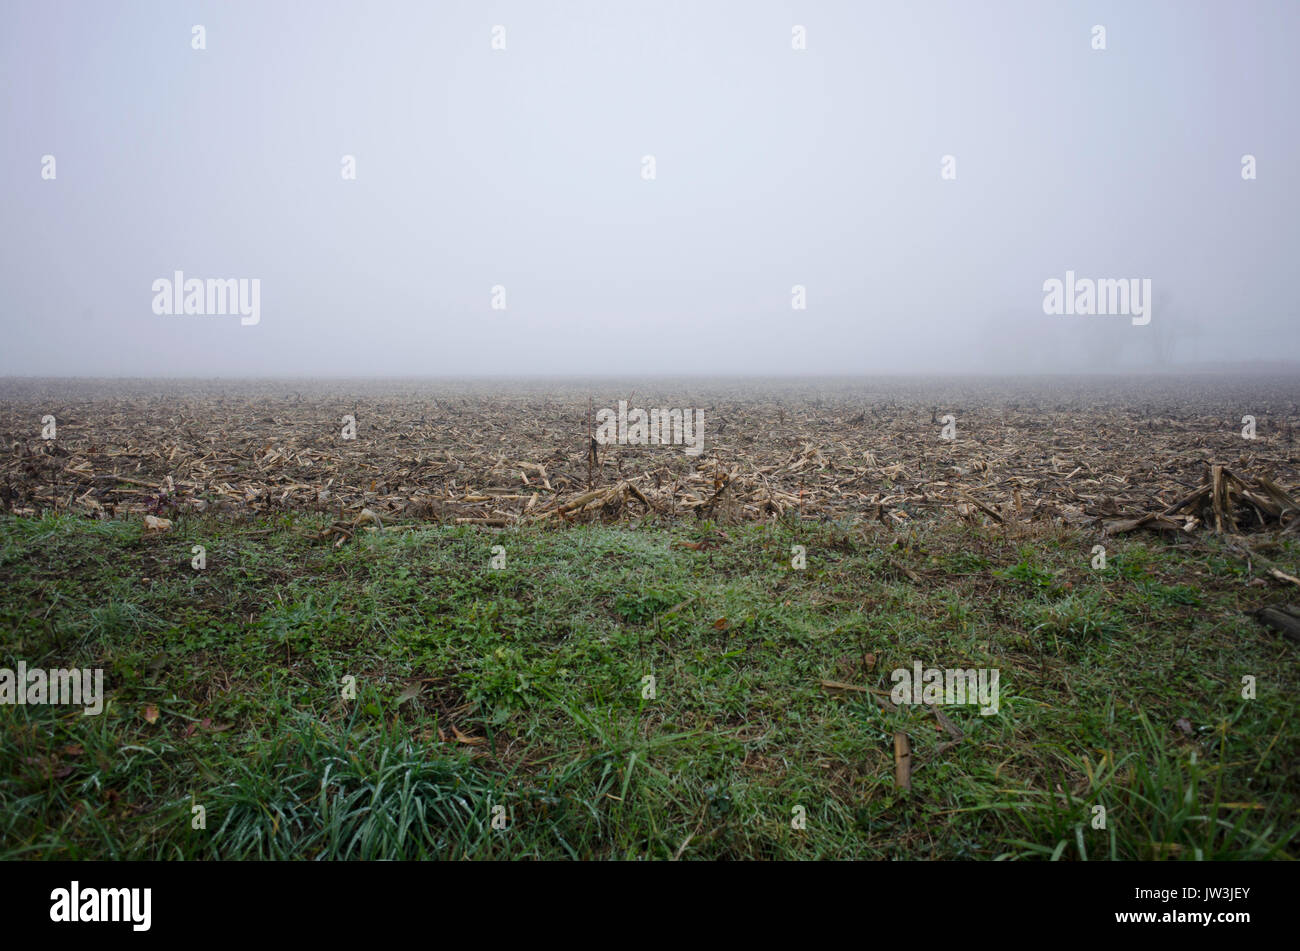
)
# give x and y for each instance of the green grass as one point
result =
(521, 695)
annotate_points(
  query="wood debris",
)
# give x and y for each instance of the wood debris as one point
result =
(902, 761)
(1283, 618)
(1225, 503)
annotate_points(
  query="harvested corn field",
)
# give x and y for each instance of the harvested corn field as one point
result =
(1119, 454)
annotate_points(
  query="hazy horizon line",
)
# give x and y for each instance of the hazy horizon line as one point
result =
(1278, 366)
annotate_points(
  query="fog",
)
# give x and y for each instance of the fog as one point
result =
(502, 221)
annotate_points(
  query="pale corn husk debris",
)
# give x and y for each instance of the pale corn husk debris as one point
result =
(1225, 503)
(488, 454)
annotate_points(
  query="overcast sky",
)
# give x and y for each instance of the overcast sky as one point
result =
(523, 168)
